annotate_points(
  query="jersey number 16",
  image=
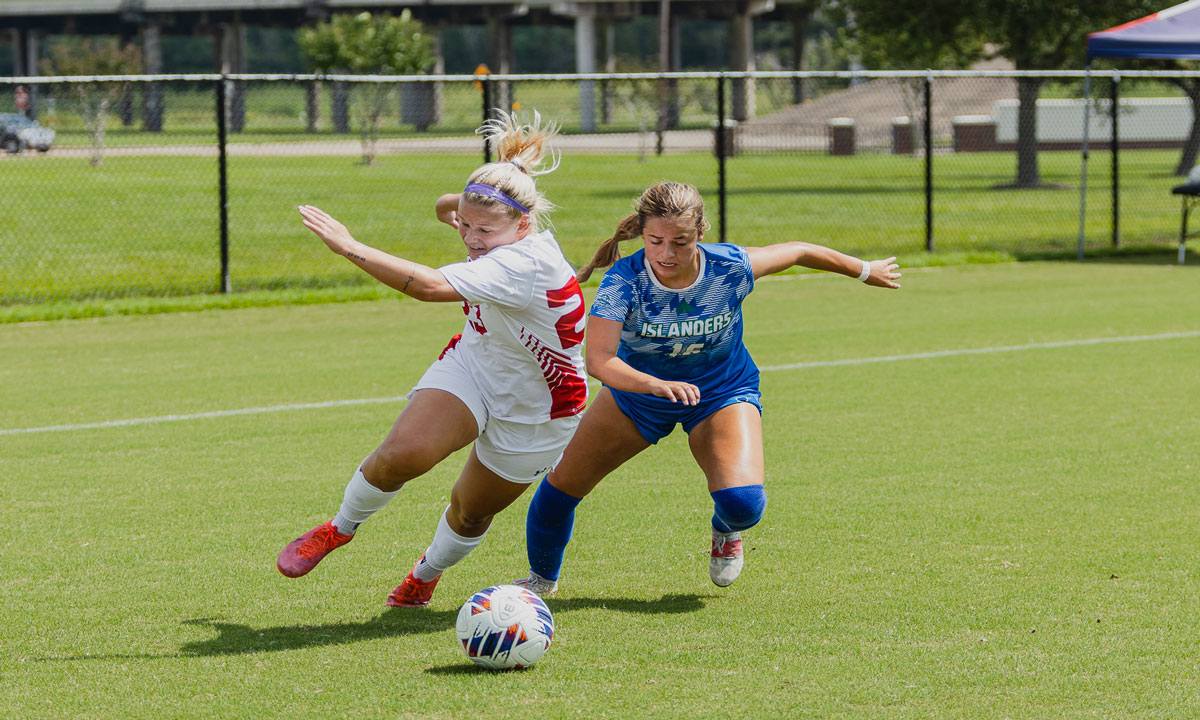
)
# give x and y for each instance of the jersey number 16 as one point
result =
(678, 350)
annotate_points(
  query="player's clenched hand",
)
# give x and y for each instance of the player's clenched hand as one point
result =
(450, 217)
(335, 234)
(676, 391)
(446, 209)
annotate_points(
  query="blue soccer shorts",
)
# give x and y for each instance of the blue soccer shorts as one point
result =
(656, 417)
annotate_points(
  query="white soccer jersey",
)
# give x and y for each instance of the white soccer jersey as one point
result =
(523, 338)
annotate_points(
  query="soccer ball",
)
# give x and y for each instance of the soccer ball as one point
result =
(504, 627)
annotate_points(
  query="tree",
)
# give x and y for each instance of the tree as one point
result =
(902, 35)
(643, 99)
(94, 56)
(1046, 35)
(1191, 146)
(898, 35)
(366, 44)
(1190, 86)
(1033, 34)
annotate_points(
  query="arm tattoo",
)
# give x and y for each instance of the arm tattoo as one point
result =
(360, 258)
(411, 271)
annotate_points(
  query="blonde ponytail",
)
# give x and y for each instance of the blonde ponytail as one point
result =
(609, 251)
(522, 145)
(521, 149)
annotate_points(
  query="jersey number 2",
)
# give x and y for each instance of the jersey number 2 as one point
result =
(569, 333)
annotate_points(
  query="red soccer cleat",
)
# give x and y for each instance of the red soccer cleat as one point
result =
(413, 592)
(303, 553)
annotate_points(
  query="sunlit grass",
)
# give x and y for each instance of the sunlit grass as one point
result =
(997, 534)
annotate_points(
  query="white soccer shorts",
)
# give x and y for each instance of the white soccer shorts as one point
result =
(517, 452)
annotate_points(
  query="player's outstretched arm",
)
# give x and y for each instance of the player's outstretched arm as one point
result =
(775, 258)
(414, 279)
(603, 338)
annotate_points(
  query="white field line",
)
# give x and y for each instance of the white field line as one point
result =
(199, 416)
(767, 368)
(982, 351)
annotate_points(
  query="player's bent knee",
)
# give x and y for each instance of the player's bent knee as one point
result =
(738, 508)
(467, 523)
(397, 465)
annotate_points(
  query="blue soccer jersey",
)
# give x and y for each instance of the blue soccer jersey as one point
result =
(693, 334)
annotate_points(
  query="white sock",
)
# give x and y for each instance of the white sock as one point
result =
(361, 501)
(447, 548)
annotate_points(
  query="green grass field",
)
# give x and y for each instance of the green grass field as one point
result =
(995, 518)
(148, 225)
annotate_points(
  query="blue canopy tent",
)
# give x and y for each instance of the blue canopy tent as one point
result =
(1170, 33)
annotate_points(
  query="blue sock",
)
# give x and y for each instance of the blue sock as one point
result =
(548, 528)
(738, 508)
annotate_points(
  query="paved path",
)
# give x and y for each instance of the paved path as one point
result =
(674, 142)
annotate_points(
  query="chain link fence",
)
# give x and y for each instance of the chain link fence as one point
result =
(176, 185)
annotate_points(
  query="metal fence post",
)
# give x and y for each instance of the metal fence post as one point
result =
(929, 163)
(1116, 155)
(721, 152)
(223, 182)
(1087, 120)
(487, 111)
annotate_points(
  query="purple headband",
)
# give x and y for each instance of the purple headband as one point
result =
(496, 194)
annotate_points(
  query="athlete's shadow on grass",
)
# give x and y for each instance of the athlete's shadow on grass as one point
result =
(666, 605)
(235, 639)
(238, 639)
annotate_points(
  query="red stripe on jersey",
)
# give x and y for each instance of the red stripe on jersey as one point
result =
(568, 388)
(453, 341)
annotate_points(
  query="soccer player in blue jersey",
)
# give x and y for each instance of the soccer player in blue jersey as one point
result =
(664, 336)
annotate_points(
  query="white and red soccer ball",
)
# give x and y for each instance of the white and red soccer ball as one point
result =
(504, 627)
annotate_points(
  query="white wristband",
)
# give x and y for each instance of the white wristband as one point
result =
(866, 271)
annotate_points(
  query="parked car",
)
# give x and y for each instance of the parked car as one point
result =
(18, 132)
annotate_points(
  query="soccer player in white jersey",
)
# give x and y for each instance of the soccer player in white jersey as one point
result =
(512, 383)
(664, 336)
